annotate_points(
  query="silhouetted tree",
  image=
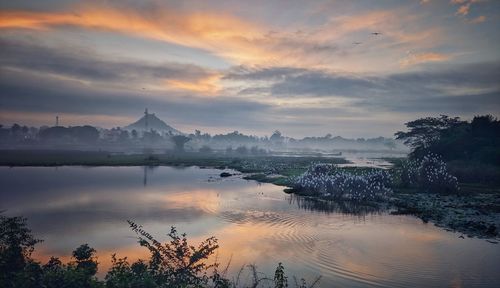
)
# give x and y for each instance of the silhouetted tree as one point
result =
(134, 134)
(425, 132)
(179, 141)
(471, 146)
(16, 245)
(85, 259)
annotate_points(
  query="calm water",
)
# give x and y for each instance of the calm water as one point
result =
(255, 223)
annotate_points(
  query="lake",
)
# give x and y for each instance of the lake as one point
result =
(255, 224)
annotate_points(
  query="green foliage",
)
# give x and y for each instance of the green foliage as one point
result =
(177, 263)
(429, 174)
(453, 139)
(85, 259)
(16, 245)
(425, 132)
(172, 264)
(124, 275)
(280, 280)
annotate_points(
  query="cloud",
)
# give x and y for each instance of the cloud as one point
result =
(471, 87)
(38, 95)
(87, 66)
(463, 9)
(477, 20)
(414, 59)
(238, 39)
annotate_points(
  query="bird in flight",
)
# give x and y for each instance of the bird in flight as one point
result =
(356, 43)
(376, 33)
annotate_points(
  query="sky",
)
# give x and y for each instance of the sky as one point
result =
(306, 68)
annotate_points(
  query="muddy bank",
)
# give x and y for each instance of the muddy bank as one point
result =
(472, 215)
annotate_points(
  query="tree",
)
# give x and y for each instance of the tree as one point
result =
(276, 137)
(425, 132)
(16, 245)
(179, 141)
(84, 134)
(134, 134)
(85, 259)
(124, 136)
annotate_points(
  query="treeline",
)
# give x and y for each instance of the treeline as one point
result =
(278, 141)
(233, 142)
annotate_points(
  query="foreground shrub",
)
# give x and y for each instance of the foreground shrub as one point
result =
(172, 264)
(329, 181)
(176, 263)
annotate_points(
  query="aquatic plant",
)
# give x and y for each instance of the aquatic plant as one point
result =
(328, 180)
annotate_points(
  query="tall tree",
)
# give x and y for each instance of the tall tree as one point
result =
(425, 132)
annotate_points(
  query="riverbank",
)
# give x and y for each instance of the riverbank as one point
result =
(475, 215)
(475, 212)
(263, 168)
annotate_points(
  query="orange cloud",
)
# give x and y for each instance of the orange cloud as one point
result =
(477, 20)
(241, 41)
(219, 33)
(414, 59)
(464, 9)
(206, 86)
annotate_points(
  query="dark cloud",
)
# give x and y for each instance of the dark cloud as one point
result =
(420, 91)
(35, 93)
(453, 105)
(262, 73)
(323, 84)
(86, 65)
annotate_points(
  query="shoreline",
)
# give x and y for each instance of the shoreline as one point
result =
(476, 214)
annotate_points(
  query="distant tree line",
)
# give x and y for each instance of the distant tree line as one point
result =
(232, 142)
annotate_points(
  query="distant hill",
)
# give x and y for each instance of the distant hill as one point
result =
(150, 121)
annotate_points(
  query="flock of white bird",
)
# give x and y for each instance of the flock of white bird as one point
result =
(329, 181)
(430, 174)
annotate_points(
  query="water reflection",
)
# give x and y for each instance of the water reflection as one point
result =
(254, 223)
(344, 207)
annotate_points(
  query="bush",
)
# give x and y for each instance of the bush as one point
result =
(429, 174)
(172, 264)
(176, 263)
(475, 172)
